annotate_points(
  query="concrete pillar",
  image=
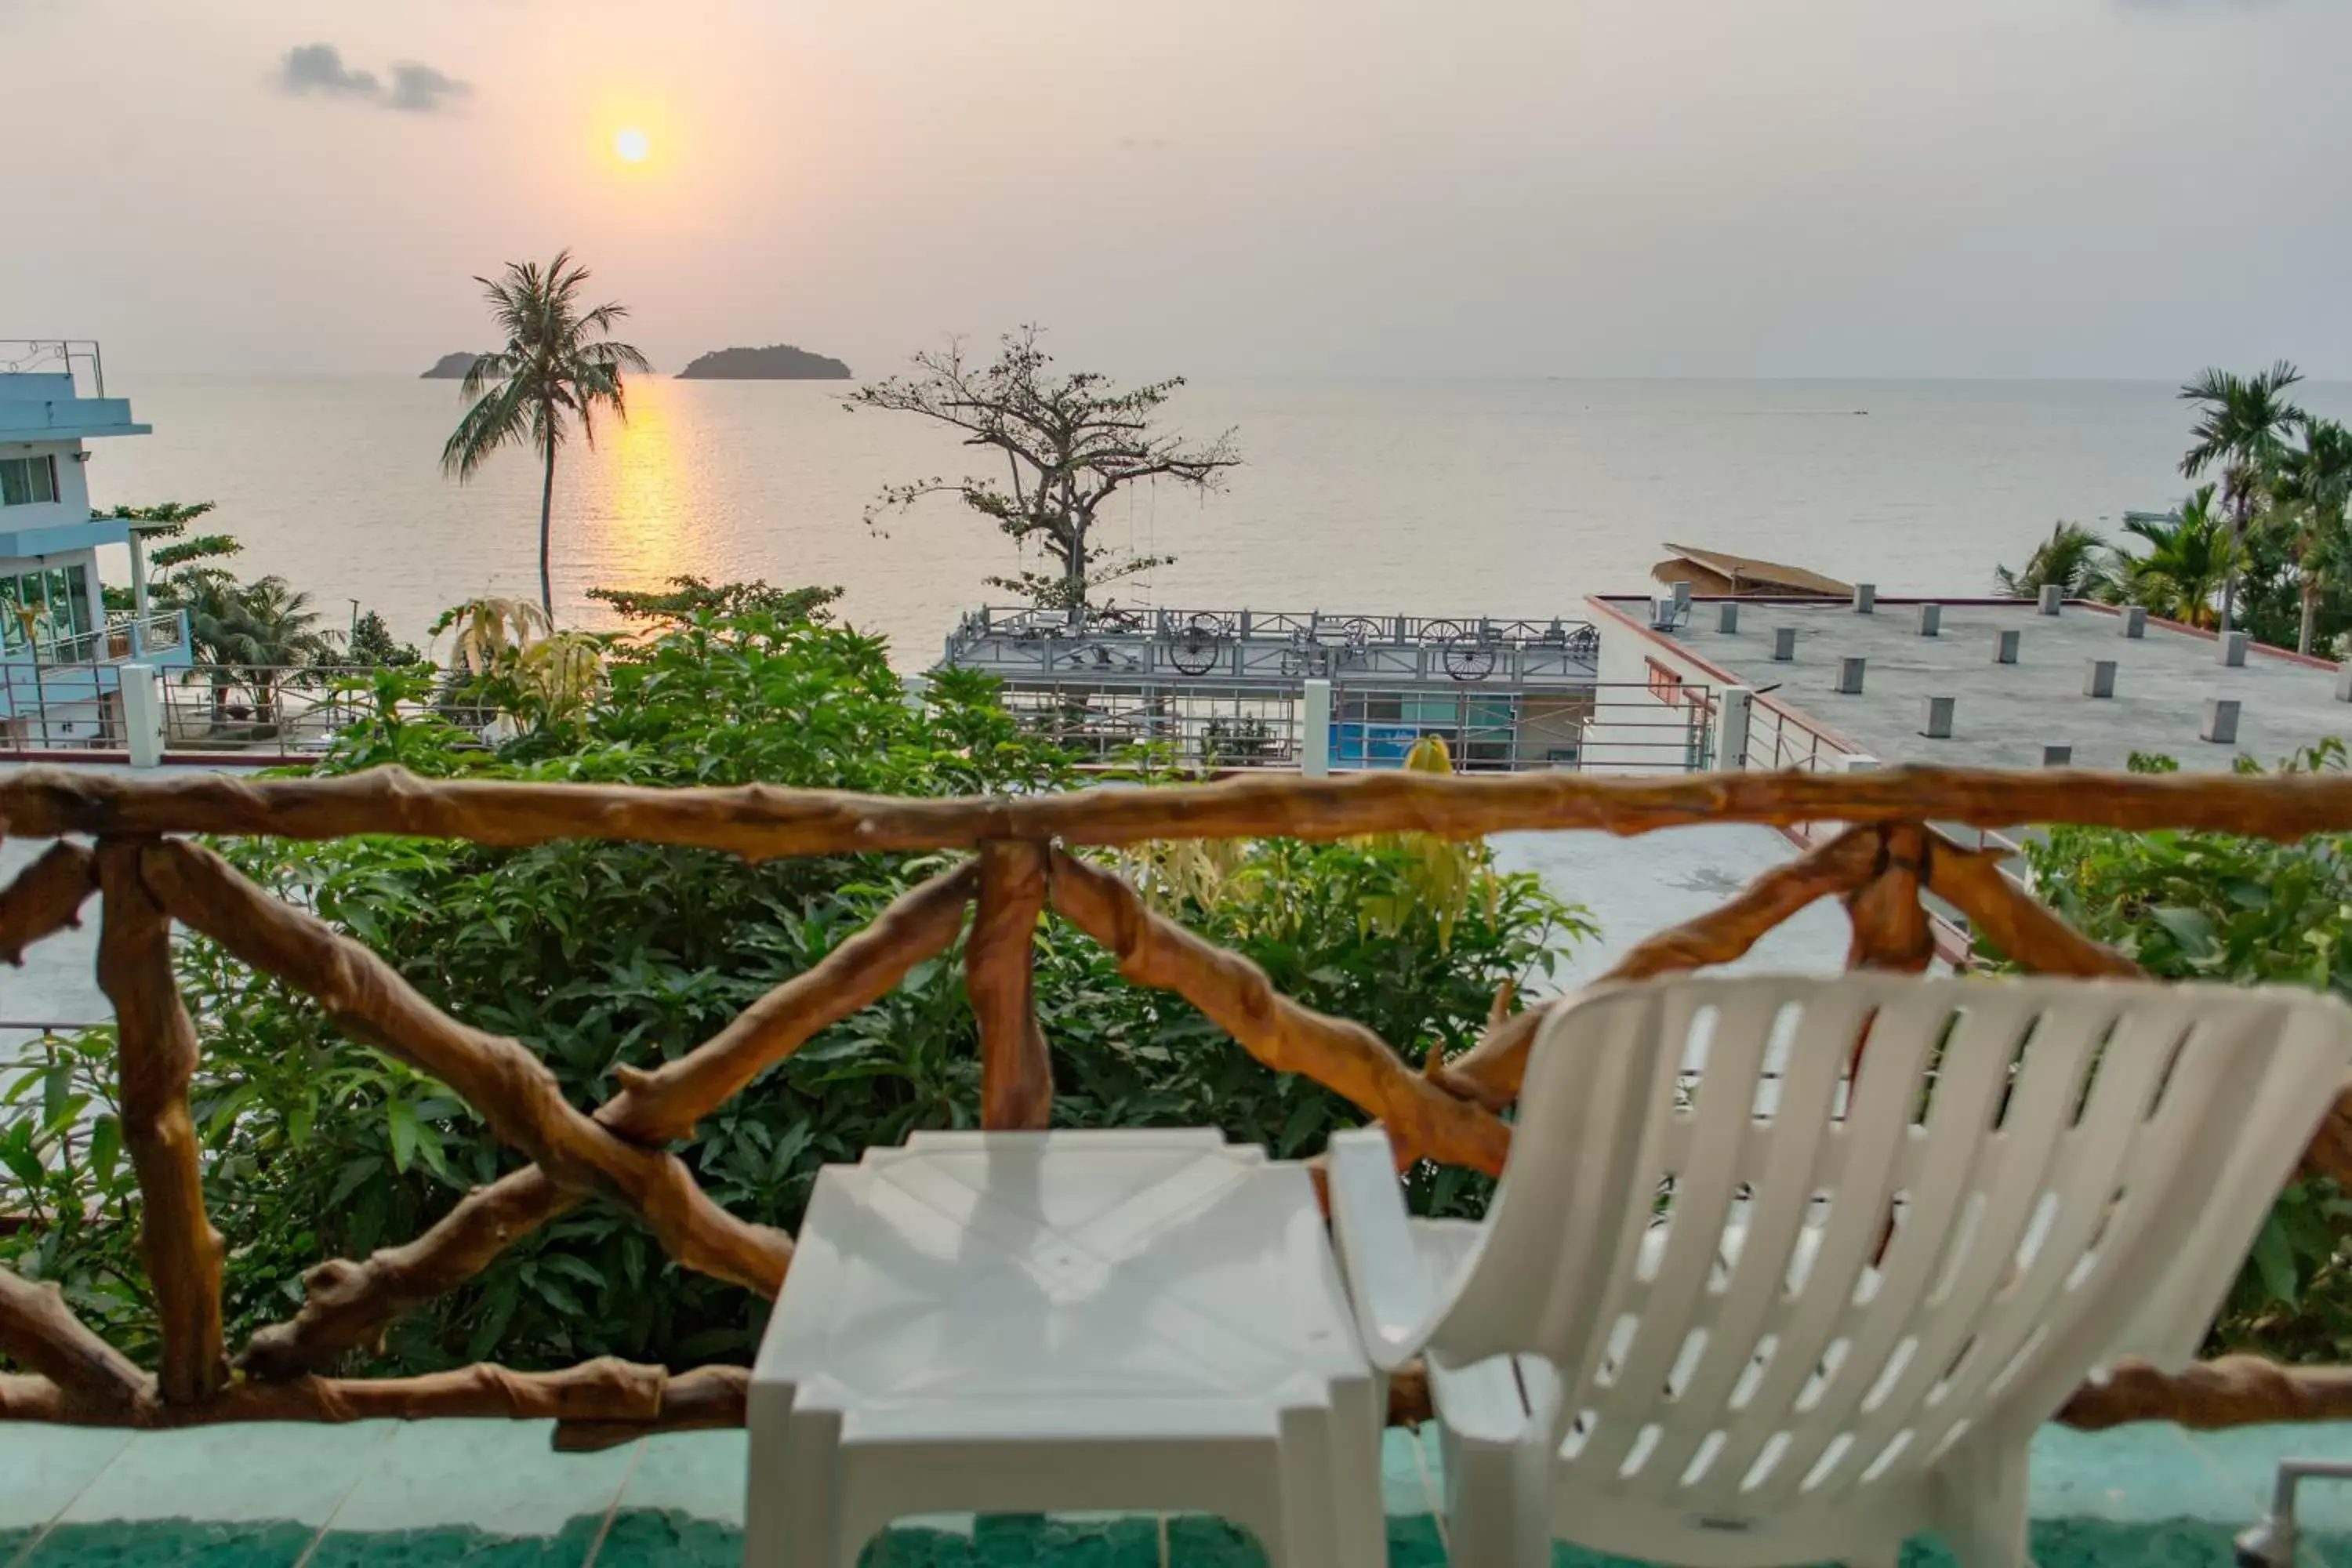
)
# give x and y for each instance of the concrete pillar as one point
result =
(1314, 730)
(143, 715)
(2004, 646)
(1731, 734)
(2099, 678)
(1784, 644)
(1849, 675)
(2057, 756)
(1931, 620)
(1866, 598)
(138, 609)
(2221, 725)
(1726, 616)
(917, 689)
(2136, 621)
(2233, 649)
(1935, 717)
(2344, 682)
(1682, 599)
(2054, 598)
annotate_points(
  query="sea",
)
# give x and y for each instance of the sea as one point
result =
(1456, 499)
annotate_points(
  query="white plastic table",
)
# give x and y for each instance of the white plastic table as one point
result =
(1021, 1323)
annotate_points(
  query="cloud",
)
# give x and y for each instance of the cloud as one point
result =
(318, 68)
(416, 88)
(420, 89)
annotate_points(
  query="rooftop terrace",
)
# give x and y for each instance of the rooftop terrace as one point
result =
(2004, 715)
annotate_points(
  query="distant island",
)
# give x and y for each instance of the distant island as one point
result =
(450, 367)
(778, 362)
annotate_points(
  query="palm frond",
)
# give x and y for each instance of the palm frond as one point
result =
(498, 419)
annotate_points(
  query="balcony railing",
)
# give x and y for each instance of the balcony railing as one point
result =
(1611, 726)
(1026, 857)
(55, 356)
(260, 712)
(130, 636)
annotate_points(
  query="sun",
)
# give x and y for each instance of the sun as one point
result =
(630, 143)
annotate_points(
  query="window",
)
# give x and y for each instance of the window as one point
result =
(27, 481)
(45, 606)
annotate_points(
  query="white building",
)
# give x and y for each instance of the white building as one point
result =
(62, 652)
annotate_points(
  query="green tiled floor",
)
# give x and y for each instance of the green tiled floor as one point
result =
(493, 1495)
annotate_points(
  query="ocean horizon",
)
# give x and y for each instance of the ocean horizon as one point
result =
(1443, 497)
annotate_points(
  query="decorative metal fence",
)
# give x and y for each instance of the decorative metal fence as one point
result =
(1027, 857)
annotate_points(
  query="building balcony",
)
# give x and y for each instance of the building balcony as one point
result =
(309, 1459)
(59, 692)
(54, 389)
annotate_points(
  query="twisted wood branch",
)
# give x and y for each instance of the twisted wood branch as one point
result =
(2235, 1391)
(45, 898)
(1425, 1123)
(157, 1050)
(1489, 1073)
(706, 1398)
(2018, 925)
(1890, 925)
(513, 1090)
(38, 1330)
(1016, 1075)
(762, 821)
(348, 1303)
(605, 1390)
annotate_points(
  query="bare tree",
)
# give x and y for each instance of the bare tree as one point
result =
(1070, 443)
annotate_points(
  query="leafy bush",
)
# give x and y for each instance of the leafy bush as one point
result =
(2246, 912)
(604, 954)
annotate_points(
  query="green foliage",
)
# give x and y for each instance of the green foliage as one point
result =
(689, 597)
(604, 956)
(203, 547)
(371, 643)
(2073, 558)
(2245, 911)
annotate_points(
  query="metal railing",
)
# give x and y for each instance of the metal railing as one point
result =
(1152, 647)
(128, 637)
(1778, 738)
(279, 710)
(36, 356)
(256, 711)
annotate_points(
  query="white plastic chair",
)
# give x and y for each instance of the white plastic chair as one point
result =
(1730, 1309)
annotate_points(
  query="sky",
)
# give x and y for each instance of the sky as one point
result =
(2028, 188)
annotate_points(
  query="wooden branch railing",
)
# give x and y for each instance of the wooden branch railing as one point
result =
(1878, 866)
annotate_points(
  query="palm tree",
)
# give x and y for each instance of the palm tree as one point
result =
(2312, 493)
(279, 630)
(2242, 425)
(247, 634)
(2188, 561)
(558, 362)
(2073, 557)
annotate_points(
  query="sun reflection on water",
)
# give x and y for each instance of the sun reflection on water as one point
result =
(646, 492)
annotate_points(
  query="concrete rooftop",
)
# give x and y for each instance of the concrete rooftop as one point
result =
(2004, 714)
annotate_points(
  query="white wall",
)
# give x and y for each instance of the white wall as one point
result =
(1632, 731)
